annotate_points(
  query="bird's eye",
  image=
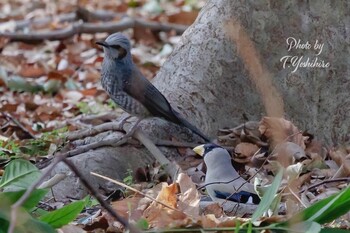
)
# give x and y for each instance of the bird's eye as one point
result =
(115, 46)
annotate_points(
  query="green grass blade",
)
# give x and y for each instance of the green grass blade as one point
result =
(268, 197)
(326, 210)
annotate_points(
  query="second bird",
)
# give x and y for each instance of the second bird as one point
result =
(130, 90)
(222, 181)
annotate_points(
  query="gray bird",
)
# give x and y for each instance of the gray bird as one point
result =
(221, 180)
(129, 89)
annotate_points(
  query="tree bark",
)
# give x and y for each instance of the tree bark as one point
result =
(212, 81)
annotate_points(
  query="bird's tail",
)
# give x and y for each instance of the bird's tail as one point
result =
(193, 128)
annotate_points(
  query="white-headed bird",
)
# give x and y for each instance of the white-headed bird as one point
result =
(222, 181)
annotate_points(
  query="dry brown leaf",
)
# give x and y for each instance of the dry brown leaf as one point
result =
(189, 197)
(160, 216)
(9, 107)
(214, 209)
(31, 71)
(89, 92)
(46, 112)
(56, 75)
(210, 221)
(292, 206)
(125, 206)
(278, 130)
(287, 153)
(316, 148)
(338, 155)
(71, 229)
(145, 36)
(342, 158)
(322, 173)
(244, 151)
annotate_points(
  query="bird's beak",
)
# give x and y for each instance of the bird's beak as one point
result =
(199, 150)
(102, 43)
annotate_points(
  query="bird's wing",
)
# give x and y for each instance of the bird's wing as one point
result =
(238, 191)
(148, 95)
(241, 196)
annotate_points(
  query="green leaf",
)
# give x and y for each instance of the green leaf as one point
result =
(90, 202)
(65, 215)
(52, 85)
(30, 226)
(142, 224)
(268, 197)
(31, 202)
(4, 224)
(333, 230)
(326, 210)
(24, 222)
(16, 83)
(36, 226)
(37, 212)
(19, 174)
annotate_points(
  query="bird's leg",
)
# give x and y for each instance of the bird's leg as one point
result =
(133, 129)
(123, 121)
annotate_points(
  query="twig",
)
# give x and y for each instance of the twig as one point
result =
(86, 148)
(99, 198)
(134, 190)
(158, 155)
(19, 124)
(93, 131)
(70, 17)
(171, 169)
(103, 117)
(92, 28)
(325, 182)
(296, 196)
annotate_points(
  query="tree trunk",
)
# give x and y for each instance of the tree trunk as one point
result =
(228, 64)
(212, 81)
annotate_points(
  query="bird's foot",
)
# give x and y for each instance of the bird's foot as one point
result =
(123, 121)
(133, 129)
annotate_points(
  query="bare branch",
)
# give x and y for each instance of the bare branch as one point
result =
(91, 28)
(99, 198)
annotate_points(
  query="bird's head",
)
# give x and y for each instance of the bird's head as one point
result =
(116, 46)
(212, 153)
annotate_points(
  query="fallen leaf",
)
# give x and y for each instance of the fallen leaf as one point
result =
(160, 216)
(189, 197)
(286, 153)
(244, 152)
(71, 229)
(31, 71)
(278, 130)
(73, 96)
(214, 209)
(125, 206)
(55, 75)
